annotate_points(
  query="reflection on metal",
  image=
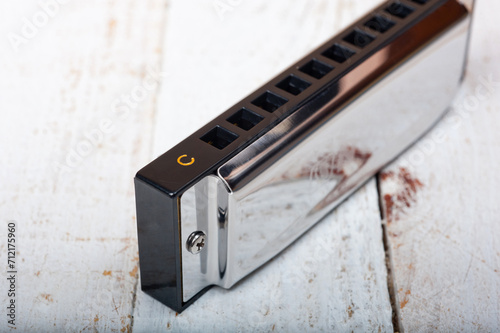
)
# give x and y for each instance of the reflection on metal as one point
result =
(274, 190)
(204, 208)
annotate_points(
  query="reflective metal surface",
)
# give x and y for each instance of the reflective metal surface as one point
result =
(204, 208)
(278, 187)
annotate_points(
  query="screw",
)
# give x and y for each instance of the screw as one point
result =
(196, 242)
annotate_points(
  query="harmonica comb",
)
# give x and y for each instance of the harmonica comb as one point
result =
(243, 187)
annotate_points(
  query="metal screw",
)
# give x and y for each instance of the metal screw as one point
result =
(196, 242)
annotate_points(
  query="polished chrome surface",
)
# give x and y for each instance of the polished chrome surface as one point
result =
(250, 218)
(204, 209)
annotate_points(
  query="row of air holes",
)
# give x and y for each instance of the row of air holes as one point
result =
(246, 119)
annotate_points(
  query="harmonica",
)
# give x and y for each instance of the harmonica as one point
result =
(243, 187)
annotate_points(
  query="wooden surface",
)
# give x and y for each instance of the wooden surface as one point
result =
(101, 88)
(444, 228)
(72, 196)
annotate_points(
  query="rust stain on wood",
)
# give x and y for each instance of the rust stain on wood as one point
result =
(350, 311)
(404, 196)
(125, 327)
(133, 272)
(386, 175)
(403, 303)
(106, 273)
(47, 297)
(405, 299)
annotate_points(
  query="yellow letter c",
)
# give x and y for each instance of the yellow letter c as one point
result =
(185, 163)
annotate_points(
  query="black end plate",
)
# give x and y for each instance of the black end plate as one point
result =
(159, 246)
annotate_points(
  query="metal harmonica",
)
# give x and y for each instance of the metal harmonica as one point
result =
(247, 184)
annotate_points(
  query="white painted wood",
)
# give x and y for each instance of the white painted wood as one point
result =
(332, 279)
(77, 247)
(444, 237)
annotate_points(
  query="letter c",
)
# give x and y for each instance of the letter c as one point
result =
(185, 163)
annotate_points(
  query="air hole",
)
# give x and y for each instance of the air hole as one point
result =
(359, 38)
(399, 10)
(269, 101)
(293, 84)
(422, 2)
(379, 23)
(316, 69)
(245, 119)
(219, 137)
(338, 53)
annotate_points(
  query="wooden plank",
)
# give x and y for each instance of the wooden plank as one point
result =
(442, 208)
(66, 176)
(333, 278)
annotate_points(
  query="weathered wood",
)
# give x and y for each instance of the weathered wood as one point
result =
(332, 279)
(441, 205)
(66, 176)
(70, 151)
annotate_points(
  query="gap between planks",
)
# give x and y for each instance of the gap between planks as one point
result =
(389, 264)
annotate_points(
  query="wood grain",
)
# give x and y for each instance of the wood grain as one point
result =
(331, 279)
(98, 89)
(441, 206)
(67, 178)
